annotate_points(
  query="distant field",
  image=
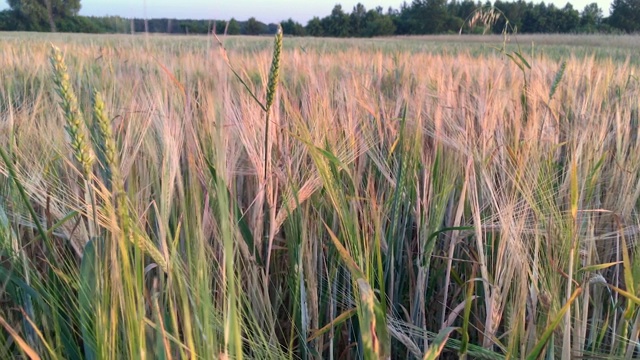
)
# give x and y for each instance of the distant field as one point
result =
(398, 198)
(618, 47)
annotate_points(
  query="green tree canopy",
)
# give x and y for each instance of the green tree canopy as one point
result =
(40, 14)
(291, 27)
(625, 15)
(428, 16)
(591, 16)
(357, 20)
(233, 28)
(337, 24)
(377, 24)
(314, 27)
(253, 27)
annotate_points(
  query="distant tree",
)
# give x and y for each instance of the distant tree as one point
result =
(625, 15)
(252, 27)
(591, 17)
(32, 18)
(291, 27)
(428, 16)
(357, 20)
(513, 12)
(463, 9)
(314, 27)
(378, 24)
(402, 19)
(337, 24)
(233, 28)
(219, 26)
(414, 17)
(158, 25)
(10, 21)
(568, 19)
(79, 24)
(271, 29)
(453, 24)
(40, 14)
(550, 19)
(187, 26)
(109, 24)
(536, 19)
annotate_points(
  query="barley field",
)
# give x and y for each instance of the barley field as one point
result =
(436, 197)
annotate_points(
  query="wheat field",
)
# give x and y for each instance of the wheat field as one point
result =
(164, 198)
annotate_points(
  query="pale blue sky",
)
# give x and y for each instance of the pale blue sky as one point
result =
(264, 10)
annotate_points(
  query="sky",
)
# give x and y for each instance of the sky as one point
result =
(267, 11)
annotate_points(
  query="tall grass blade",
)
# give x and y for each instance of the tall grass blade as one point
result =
(557, 79)
(438, 344)
(22, 344)
(548, 332)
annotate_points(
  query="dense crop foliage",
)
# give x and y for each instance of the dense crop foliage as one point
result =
(164, 198)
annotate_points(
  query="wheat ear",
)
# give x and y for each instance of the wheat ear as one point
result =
(75, 125)
(106, 144)
(272, 86)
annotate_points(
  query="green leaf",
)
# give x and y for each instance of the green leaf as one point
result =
(86, 297)
(60, 292)
(557, 79)
(25, 198)
(8, 275)
(57, 225)
(598, 267)
(628, 275)
(546, 335)
(240, 220)
(523, 60)
(467, 314)
(335, 322)
(434, 234)
(515, 61)
(354, 269)
(22, 344)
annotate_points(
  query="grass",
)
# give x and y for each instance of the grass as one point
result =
(422, 199)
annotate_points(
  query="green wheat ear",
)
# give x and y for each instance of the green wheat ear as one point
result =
(557, 79)
(272, 85)
(275, 69)
(75, 124)
(105, 143)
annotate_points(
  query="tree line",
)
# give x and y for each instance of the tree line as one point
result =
(415, 18)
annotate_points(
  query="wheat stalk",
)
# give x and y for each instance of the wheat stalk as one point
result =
(272, 86)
